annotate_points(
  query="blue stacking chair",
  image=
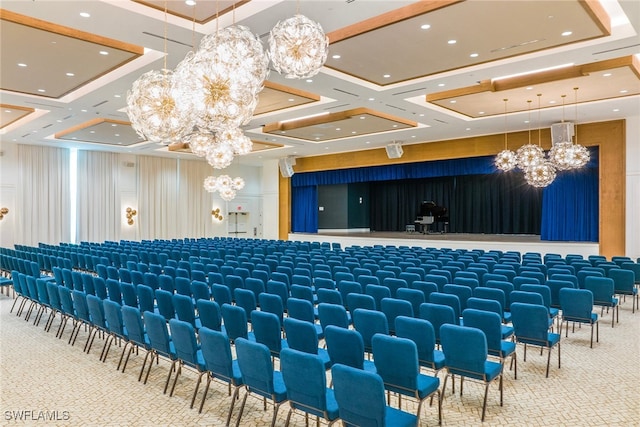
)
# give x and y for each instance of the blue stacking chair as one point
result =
(188, 352)
(360, 397)
(450, 300)
(219, 363)
(624, 284)
(378, 292)
(209, 314)
(258, 375)
(132, 321)
(161, 344)
(355, 301)
(306, 383)
(235, 322)
(333, 314)
(577, 306)
(396, 361)
(465, 353)
(531, 327)
(166, 308)
(414, 296)
(221, 294)
(438, 315)
(184, 309)
(393, 308)
(54, 303)
(368, 323)
(345, 346)
(272, 304)
(492, 306)
(303, 310)
(115, 326)
(603, 290)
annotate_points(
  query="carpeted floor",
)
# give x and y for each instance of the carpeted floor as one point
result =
(45, 381)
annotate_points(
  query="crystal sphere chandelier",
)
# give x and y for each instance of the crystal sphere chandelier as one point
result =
(506, 160)
(153, 110)
(561, 155)
(200, 142)
(224, 185)
(541, 174)
(234, 138)
(298, 47)
(579, 156)
(529, 155)
(221, 81)
(220, 155)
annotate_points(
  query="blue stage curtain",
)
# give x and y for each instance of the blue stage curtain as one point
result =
(570, 207)
(304, 209)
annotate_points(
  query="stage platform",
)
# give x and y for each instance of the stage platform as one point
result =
(520, 242)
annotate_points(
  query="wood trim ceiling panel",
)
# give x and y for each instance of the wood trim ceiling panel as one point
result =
(597, 81)
(183, 147)
(530, 26)
(102, 131)
(275, 96)
(12, 113)
(201, 13)
(342, 124)
(56, 60)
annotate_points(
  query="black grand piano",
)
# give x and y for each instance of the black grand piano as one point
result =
(429, 214)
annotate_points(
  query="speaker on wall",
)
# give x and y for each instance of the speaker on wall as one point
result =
(561, 132)
(286, 167)
(394, 150)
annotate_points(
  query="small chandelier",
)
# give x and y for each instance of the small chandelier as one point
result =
(200, 142)
(506, 160)
(541, 174)
(224, 185)
(298, 47)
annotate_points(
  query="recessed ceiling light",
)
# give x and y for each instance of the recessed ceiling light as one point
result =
(84, 111)
(113, 125)
(85, 14)
(41, 90)
(21, 64)
(453, 102)
(526, 121)
(530, 88)
(290, 99)
(326, 148)
(59, 121)
(117, 134)
(468, 129)
(624, 91)
(338, 129)
(317, 138)
(372, 99)
(452, 41)
(616, 110)
(606, 75)
(7, 111)
(474, 55)
(395, 126)
(282, 132)
(566, 33)
(116, 96)
(440, 84)
(480, 112)
(104, 52)
(309, 80)
(362, 117)
(386, 76)
(70, 74)
(368, 142)
(421, 115)
(353, 132)
(552, 102)
(336, 56)
(190, 2)
(92, 131)
(413, 136)
(425, 26)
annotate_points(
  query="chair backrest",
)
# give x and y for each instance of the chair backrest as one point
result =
(272, 304)
(200, 290)
(526, 298)
(346, 287)
(394, 284)
(329, 296)
(54, 296)
(221, 294)
(344, 346)
(421, 332)
(369, 323)
(301, 335)
(278, 288)
(95, 308)
(355, 301)
(184, 339)
(543, 290)
(576, 303)
(209, 313)
(554, 289)
(485, 305)
(216, 352)
(465, 350)
(80, 305)
(488, 322)
(504, 286)
(300, 309)
(462, 292)
(393, 308)
(396, 361)
(132, 321)
(360, 396)
(438, 315)
(267, 330)
(115, 294)
(332, 314)
(113, 316)
(602, 289)
(246, 299)
(235, 321)
(156, 327)
(305, 379)
(530, 322)
(129, 294)
(165, 304)
(184, 309)
(254, 361)
(378, 292)
(414, 296)
(447, 299)
(493, 294)
(623, 280)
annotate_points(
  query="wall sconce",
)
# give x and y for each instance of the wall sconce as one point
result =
(3, 212)
(216, 214)
(130, 214)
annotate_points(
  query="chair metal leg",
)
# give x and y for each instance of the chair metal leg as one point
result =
(175, 379)
(244, 401)
(286, 423)
(444, 387)
(461, 384)
(525, 352)
(484, 404)
(195, 392)
(591, 345)
(548, 361)
(233, 401)
(166, 383)
(276, 406)
(127, 345)
(204, 396)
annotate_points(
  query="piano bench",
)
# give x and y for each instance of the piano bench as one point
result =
(410, 228)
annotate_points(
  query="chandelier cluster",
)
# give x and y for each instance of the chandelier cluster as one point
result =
(224, 185)
(540, 170)
(214, 91)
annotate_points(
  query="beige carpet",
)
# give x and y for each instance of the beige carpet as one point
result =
(60, 385)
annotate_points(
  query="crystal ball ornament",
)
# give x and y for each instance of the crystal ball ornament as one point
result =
(529, 155)
(506, 160)
(298, 47)
(561, 155)
(541, 174)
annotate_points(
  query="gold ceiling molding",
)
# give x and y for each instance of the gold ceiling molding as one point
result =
(12, 113)
(39, 24)
(342, 124)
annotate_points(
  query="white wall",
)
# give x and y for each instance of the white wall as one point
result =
(270, 199)
(632, 209)
(8, 180)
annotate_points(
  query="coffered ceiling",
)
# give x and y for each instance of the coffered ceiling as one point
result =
(404, 71)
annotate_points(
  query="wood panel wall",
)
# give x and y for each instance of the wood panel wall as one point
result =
(608, 136)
